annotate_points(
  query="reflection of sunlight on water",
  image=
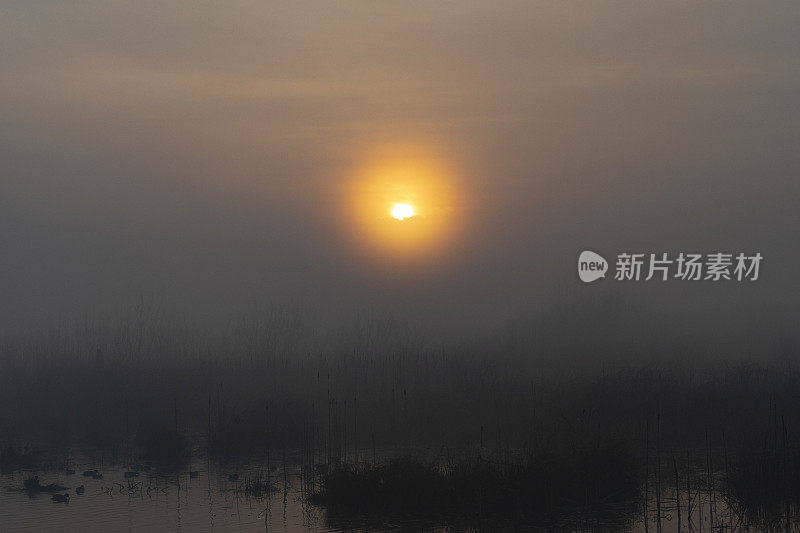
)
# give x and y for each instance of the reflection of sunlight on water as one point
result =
(152, 502)
(209, 501)
(205, 497)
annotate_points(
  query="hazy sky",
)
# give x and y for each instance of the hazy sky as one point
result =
(197, 155)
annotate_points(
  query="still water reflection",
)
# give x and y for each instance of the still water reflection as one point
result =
(203, 498)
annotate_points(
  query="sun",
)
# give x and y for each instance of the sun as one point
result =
(401, 202)
(403, 211)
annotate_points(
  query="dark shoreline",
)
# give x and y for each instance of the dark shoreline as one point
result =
(452, 438)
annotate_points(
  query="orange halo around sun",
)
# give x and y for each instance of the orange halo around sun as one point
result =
(403, 204)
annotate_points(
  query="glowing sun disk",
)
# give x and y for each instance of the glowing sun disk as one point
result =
(402, 211)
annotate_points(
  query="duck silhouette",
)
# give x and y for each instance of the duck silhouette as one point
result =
(61, 498)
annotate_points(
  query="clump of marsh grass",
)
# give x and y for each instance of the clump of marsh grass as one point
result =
(592, 484)
(32, 485)
(14, 457)
(257, 486)
(763, 483)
